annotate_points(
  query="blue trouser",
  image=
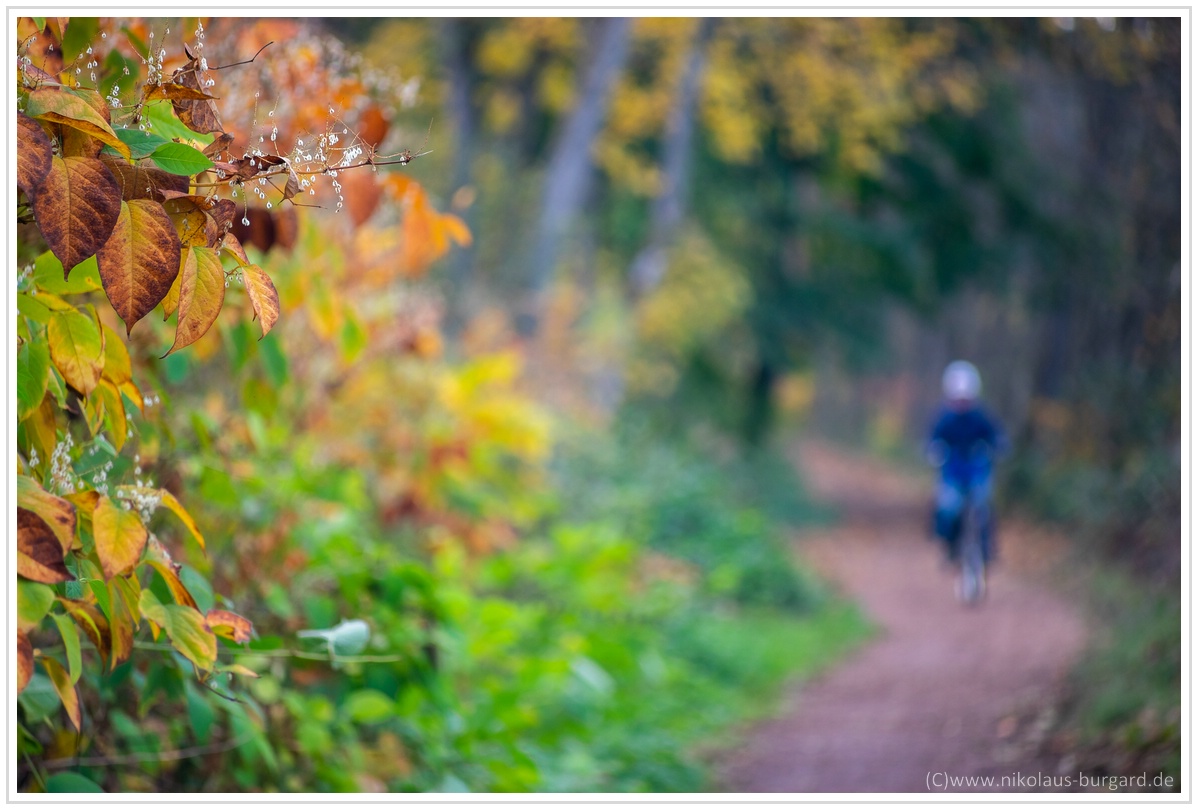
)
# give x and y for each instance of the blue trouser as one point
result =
(955, 486)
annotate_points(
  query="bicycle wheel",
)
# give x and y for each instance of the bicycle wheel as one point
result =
(971, 586)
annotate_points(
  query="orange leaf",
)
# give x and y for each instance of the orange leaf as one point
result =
(140, 260)
(229, 625)
(264, 298)
(201, 296)
(71, 108)
(120, 537)
(76, 206)
(65, 689)
(139, 182)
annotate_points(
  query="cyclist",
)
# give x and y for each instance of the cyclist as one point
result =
(964, 443)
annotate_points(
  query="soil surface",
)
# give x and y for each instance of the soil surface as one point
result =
(942, 689)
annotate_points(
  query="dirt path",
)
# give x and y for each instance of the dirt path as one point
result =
(942, 688)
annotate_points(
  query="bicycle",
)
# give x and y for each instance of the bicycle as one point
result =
(971, 582)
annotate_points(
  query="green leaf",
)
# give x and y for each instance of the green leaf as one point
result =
(79, 34)
(32, 308)
(181, 159)
(48, 275)
(161, 118)
(186, 628)
(34, 600)
(33, 376)
(77, 349)
(141, 144)
(201, 714)
(70, 640)
(68, 782)
(368, 706)
(40, 698)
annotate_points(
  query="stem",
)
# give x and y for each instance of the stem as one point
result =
(162, 756)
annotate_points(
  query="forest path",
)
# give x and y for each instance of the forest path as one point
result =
(942, 688)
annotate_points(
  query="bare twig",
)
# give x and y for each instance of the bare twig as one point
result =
(247, 61)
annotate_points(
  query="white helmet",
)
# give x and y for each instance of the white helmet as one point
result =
(961, 381)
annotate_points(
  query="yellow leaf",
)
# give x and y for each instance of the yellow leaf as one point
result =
(76, 348)
(120, 537)
(65, 689)
(114, 411)
(201, 295)
(58, 514)
(171, 503)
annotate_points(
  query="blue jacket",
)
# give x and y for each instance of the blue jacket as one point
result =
(970, 438)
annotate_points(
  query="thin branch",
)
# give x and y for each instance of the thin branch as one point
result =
(247, 61)
(288, 653)
(154, 756)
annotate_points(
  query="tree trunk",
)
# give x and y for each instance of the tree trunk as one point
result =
(649, 266)
(568, 176)
(456, 38)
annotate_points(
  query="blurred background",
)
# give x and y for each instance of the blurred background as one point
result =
(529, 407)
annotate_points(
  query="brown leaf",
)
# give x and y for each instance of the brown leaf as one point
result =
(138, 182)
(85, 501)
(76, 207)
(201, 295)
(39, 555)
(293, 184)
(229, 625)
(199, 116)
(24, 661)
(261, 229)
(362, 194)
(373, 126)
(222, 213)
(65, 689)
(58, 513)
(264, 298)
(175, 92)
(33, 153)
(76, 143)
(125, 611)
(232, 244)
(139, 262)
(218, 145)
(120, 537)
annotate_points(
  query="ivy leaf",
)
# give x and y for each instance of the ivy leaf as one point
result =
(120, 537)
(65, 689)
(62, 106)
(76, 206)
(70, 642)
(264, 298)
(34, 152)
(185, 627)
(77, 349)
(141, 144)
(180, 159)
(33, 376)
(201, 295)
(230, 625)
(34, 601)
(139, 261)
(57, 513)
(39, 556)
(24, 661)
(49, 276)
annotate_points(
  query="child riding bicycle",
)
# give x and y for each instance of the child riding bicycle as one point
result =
(964, 442)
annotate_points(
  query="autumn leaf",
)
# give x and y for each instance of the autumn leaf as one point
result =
(199, 116)
(160, 560)
(117, 367)
(264, 298)
(185, 627)
(58, 513)
(139, 262)
(230, 625)
(232, 244)
(189, 214)
(69, 108)
(174, 91)
(76, 206)
(170, 301)
(201, 295)
(39, 555)
(24, 661)
(139, 182)
(114, 413)
(76, 348)
(34, 152)
(92, 622)
(218, 145)
(65, 689)
(120, 537)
